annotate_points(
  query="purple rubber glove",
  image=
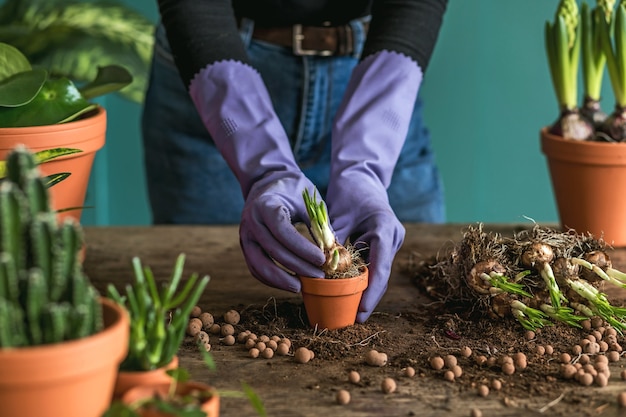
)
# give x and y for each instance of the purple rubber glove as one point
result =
(237, 111)
(369, 132)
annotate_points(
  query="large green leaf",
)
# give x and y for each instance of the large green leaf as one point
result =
(22, 88)
(72, 38)
(109, 79)
(12, 61)
(58, 101)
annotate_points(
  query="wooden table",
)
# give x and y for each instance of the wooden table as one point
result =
(284, 386)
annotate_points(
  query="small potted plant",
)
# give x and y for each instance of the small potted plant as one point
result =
(43, 112)
(586, 160)
(158, 321)
(176, 397)
(332, 302)
(60, 342)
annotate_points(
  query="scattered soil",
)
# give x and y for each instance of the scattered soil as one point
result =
(442, 326)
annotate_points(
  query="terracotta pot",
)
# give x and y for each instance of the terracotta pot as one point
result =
(589, 179)
(129, 379)
(333, 303)
(69, 379)
(86, 134)
(211, 406)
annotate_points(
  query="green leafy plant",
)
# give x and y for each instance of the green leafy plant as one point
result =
(613, 41)
(32, 97)
(44, 295)
(71, 38)
(593, 58)
(158, 317)
(562, 42)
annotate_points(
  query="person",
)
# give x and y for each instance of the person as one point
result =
(252, 101)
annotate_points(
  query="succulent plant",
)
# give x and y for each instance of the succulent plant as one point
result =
(158, 318)
(45, 297)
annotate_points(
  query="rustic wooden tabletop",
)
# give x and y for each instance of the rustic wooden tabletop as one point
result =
(286, 388)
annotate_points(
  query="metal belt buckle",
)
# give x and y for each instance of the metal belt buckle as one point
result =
(297, 44)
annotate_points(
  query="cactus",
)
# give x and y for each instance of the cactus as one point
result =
(158, 319)
(45, 297)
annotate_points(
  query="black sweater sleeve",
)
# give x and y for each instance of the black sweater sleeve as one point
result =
(410, 27)
(201, 32)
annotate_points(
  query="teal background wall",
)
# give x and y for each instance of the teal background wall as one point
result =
(487, 93)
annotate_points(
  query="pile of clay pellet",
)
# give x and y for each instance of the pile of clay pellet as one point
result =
(202, 324)
(586, 363)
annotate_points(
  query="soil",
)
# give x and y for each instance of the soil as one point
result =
(430, 327)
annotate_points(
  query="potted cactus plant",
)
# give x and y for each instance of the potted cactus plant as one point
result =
(586, 159)
(60, 342)
(158, 321)
(332, 302)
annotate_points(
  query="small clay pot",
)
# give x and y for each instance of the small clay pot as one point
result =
(211, 405)
(130, 379)
(333, 303)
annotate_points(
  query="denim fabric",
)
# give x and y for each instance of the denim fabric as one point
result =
(188, 180)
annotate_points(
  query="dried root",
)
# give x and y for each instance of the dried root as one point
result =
(539, 276)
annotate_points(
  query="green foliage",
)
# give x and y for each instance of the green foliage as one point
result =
(158, 317)
(32, 97)
(44, 295)
(73, 37)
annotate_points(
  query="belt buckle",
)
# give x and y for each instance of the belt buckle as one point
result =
(298, 36)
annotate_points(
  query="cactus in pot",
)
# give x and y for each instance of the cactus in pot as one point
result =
(45, 297)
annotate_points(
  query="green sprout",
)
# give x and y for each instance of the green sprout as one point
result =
(563, 49)
(615, 51)
(502, 282)
(320, 228)
(563, 314)
(593, 57)
(599, 303)
(530, 318)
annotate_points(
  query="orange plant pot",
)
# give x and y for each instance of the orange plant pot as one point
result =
(211, 406)
(87, 135)
(69, 379)
(129, 379)
(333, 303)
(588, 180)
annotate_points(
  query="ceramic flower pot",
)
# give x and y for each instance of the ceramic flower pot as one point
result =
(86, 134)
(589, 179)
(129, 379)
(210, 406)
(69, 379)
(333, 303)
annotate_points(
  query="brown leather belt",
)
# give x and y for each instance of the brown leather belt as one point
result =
(310, 40)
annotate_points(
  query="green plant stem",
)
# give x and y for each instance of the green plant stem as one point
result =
(599, 302)
(612, 36)
(501, 282)
(593, 59)
(529, 318)
(562, 42)
(563, 314)
(598, 271)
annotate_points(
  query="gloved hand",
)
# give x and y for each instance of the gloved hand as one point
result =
(236, 109)
(369, 132)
